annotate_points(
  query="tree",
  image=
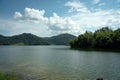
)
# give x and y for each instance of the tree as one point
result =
(116, 38)
(104, 38)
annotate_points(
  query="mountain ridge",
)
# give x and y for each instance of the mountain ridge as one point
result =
(60, 39)
(31, 39)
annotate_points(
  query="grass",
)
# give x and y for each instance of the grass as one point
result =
(7, 77)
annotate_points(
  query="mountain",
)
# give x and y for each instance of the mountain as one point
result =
(62, 39)
(23, 39)
(3, 40)
(30, 39)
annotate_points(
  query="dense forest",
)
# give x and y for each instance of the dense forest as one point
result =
(104, 38)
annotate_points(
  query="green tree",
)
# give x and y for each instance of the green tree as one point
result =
(116, 39)
(104, 38)
(85, 40)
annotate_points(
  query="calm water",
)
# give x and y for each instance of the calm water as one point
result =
(59, 63)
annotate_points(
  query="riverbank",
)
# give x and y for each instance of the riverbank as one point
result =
(96, 49)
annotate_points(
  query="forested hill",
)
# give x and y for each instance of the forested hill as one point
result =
(104, 38)
(23, 39)
(30, 39)
(61, 39)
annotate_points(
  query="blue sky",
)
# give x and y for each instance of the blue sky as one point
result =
(52, 17)
(8, 7)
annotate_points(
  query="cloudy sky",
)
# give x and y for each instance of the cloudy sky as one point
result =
(52, 17)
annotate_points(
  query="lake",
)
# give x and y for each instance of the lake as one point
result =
(59, 63)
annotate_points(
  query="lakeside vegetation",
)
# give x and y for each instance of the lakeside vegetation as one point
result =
(104, 38)
(7, 77)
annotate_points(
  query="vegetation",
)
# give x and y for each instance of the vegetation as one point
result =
(62, 39)
(104, 38)
(7, 77)
(30, 39)
(22, 39)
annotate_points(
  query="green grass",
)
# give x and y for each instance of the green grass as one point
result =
(7, 77)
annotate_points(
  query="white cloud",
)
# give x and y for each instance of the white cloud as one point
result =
(12, 27)
(83, 20)
(76, 6)
(17, 15)
(97, 19)
(96, 1)
(80, 20)
(32, 15)
(94, 19)
(65, 24)
(55, 23)
(35, 14)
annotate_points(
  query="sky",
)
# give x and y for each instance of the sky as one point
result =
(52, 17)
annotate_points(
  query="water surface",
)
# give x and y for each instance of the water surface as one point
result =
(59, 63)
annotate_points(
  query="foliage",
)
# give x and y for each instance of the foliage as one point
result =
(104, 38)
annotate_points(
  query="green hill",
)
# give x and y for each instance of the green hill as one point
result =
(23, 39)
(30, 39)
(62, 39)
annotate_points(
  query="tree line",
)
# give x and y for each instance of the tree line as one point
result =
(104, 38)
